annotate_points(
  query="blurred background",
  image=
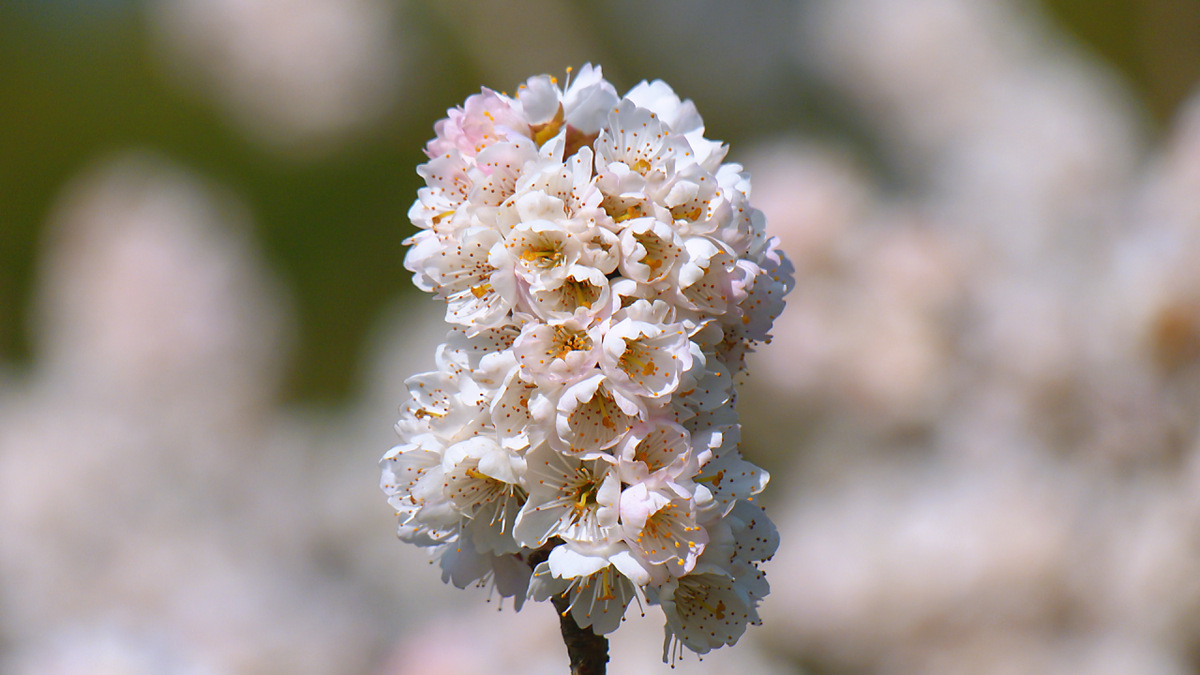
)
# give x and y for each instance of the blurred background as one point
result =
(980, 409)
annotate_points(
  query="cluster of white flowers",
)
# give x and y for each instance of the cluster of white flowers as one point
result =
(604, 275)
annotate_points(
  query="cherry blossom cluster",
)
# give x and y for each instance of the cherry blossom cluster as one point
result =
(604, 276)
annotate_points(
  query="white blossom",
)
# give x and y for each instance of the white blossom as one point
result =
(604, 275)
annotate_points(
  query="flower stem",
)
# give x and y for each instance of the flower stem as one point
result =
(588, 652)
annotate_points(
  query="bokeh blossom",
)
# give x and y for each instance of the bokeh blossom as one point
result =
(290, 74)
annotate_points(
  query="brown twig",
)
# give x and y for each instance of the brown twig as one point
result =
(588, 652)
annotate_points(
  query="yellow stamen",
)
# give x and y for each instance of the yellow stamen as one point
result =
(581, 298)
(569, 341)
(631, 212)
(552, 257)
(547, 130)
